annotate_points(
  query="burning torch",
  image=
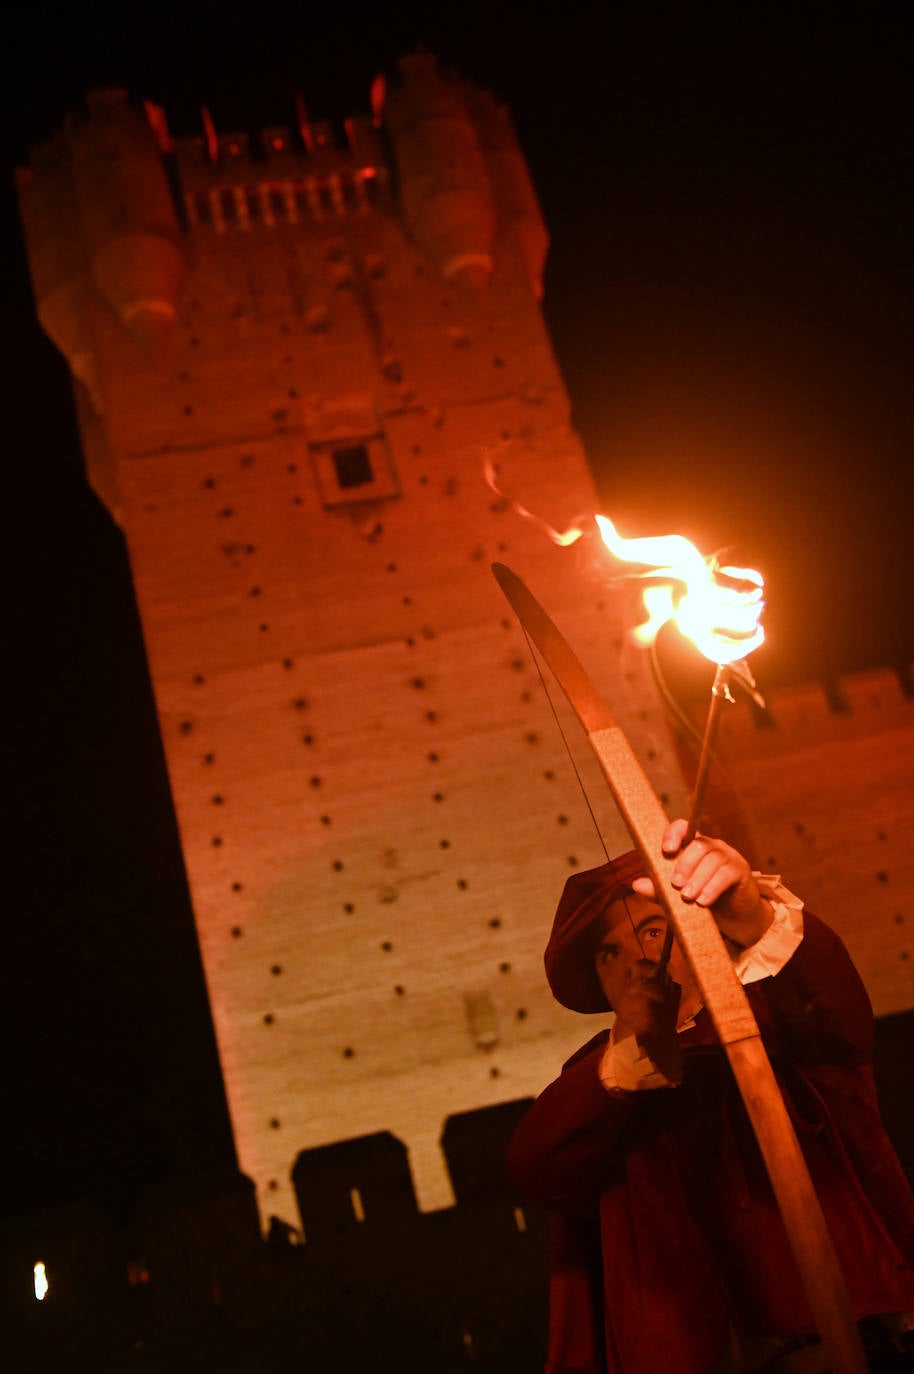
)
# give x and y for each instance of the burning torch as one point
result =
(718, 607)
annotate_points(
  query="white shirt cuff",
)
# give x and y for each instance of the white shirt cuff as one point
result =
(626, 1066)
(769, 954)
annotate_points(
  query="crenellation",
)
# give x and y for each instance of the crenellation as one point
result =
(281, 181)
(803, 714)
(827, 796)
(879, 695)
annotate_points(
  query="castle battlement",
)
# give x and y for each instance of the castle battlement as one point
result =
(291, 201)
(799, 716)
(820, 783)
(287, 178)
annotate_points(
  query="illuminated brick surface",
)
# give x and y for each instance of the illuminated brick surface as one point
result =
(827, 796)
(376, 808)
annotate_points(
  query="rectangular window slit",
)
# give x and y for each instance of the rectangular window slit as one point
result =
(353, 466)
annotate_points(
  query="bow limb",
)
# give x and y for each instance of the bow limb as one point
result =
(721, 991)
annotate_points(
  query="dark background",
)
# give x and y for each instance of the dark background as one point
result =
(729, 294)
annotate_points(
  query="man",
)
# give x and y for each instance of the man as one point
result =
(668, 1253)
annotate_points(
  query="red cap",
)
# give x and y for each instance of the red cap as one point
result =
(569, 956)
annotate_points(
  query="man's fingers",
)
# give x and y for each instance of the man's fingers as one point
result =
(699, 853)
(703, 872)
(710, 879)
(673, 837)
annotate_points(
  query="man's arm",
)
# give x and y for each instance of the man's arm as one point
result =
(816, 1011)
(563, 1148)
(814, 1006)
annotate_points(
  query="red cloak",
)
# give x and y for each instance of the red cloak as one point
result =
(664, 1229)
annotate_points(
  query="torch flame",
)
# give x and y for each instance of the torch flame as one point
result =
(718, 608)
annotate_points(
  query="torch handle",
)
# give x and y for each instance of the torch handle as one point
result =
(719, 694)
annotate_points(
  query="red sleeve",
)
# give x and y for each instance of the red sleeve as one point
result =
(563, 1147)
(819, 1019)
(816, 1010)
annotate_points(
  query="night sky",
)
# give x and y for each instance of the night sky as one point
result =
(729, 291)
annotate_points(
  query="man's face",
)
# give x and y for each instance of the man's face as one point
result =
(633, 929)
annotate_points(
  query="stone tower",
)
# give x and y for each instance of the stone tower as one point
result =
(292, 364)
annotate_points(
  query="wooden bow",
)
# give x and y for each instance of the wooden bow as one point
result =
(721, 991)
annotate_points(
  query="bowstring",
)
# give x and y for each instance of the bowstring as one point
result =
(580, 781)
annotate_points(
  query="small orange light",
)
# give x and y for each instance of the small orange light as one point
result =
(40, 1280)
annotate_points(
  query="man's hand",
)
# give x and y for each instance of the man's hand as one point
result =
(648, 1009)
(711, 873)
